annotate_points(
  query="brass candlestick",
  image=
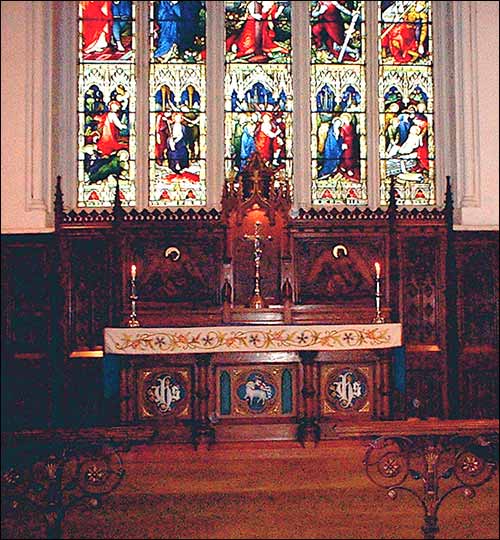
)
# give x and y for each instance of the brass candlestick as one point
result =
(133, 322)
(378, 319)
(257, 301)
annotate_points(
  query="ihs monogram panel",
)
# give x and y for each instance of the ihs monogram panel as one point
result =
(256, 391)
(164, 393)
(347, 390)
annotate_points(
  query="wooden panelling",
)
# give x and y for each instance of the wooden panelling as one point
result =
(90, 299)
(177, 268)
(478, 309)
(338, 267)
(424, 393)
(25, 393)
(185, 290)
(26, 330)
(423, 283)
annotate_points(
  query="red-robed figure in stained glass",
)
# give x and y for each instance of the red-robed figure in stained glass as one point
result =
(349, 161)
(329, 31)
(257, 36)
(97, 25)
(109, 127)
(406, 40)
(268, 142)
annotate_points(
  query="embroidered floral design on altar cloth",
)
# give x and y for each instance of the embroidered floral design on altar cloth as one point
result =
(230, 339)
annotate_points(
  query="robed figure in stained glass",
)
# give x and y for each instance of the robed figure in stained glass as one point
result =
(109, 128)
(257, 36)
(104, 26)
(168, 19)
(268, 139)
(405, 41)
(329, 31)
(176, 27)
(332, 149)
(97, 25)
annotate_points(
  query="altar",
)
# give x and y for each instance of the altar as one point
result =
(255, 382)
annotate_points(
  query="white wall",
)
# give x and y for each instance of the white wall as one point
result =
(26, 133)
(27, 175)
(485, 212)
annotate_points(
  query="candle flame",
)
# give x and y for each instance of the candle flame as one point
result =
(377, 269)
(133, 271)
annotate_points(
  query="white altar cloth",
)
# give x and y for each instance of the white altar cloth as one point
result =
(250, 338)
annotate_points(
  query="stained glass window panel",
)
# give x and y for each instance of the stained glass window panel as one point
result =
(338, 103)
(406, 102)
(106, 103)
(258, 88)
(178, 31)
(177, 104)
(258, 32)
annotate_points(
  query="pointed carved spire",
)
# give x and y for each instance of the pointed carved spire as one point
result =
(58, 205)
(227, 291)
(286, 291)
(448, 203)
(393, 203)
(118, 211)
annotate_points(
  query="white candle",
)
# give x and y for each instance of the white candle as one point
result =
(377, 279)
(133, 271)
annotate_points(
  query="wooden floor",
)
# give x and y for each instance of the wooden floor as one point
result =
(242, 491)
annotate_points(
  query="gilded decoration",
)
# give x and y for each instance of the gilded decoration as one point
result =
(163, 393)
(347, 390)
(256, 391)
(248, 339)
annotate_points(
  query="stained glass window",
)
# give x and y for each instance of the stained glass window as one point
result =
(338, 103)
(258, 88)
(406, 102)
(106, 104)
(143, 68)
(177, 104)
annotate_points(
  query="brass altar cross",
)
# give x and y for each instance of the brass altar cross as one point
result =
(257, 302)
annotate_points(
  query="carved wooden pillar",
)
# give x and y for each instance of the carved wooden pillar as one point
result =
(227, 292)
(309, 429)
(58, 349)
(117, 246)
(452, 343)
(382, 394)
(287, 299)
(203, 434)
(287, 295)
(227, 295)
(394, 258)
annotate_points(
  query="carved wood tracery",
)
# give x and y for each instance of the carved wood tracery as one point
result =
(97, 248)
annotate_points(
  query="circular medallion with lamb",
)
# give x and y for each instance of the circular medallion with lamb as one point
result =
(257, 390)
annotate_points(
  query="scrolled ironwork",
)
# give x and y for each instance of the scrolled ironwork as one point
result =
(63, 477)
(437, 465)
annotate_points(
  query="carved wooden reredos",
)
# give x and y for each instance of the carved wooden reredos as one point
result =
(194, 268)
(318, 264)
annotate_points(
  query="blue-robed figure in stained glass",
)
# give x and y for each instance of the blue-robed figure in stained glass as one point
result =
(168, 18)
(122, 13)
(177, 29)
(332, 150)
